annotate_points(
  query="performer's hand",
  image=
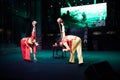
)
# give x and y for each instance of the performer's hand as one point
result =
(64, 50)
(36, 44)
(54, 45)
(59, 20)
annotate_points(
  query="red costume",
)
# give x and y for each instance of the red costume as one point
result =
(27, 44)
(26, 48)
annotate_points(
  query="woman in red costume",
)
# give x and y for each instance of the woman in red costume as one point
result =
(29, 44)
(73, 43)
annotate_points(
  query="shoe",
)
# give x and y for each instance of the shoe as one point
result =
(70, 63)
(27, 60)
(35, 60)
(81, 64)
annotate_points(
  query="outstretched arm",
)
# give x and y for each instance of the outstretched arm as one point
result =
(63, 30)
(33, 34)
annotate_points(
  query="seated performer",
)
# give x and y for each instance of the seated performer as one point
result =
(73, 43)
(29, 43)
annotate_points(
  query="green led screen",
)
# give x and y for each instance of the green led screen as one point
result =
(92, 15)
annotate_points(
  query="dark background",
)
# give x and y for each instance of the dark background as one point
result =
(16, 17)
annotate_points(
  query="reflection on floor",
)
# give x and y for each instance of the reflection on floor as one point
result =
(12, 67)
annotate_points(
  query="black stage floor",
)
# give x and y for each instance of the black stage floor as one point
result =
(13, 67)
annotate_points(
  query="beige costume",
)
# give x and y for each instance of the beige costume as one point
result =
(72, 44)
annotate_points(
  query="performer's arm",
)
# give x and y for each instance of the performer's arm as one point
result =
(63, 30)
(33, 33)
(36, 43)
(26, 42)
(67, 48)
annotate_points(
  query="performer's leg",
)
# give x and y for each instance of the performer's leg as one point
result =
(34, 54)
(35, 49)
(22, 48)
(73, 49)
(79, 53)
(71, 60)
(27, 54)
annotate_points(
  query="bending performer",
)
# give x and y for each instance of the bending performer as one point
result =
(29, 45)
(73, 43)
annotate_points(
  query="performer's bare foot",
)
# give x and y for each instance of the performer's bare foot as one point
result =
(35, 59)
(71, 62)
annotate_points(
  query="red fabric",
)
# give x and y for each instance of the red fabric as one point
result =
(25, 50)
(33, 35)
(34, 49)
(25, 47)
(69, 42)
(64, 39)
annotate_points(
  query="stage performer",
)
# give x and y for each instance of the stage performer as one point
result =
(73, 43)
(61, 27)
(29, 45)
